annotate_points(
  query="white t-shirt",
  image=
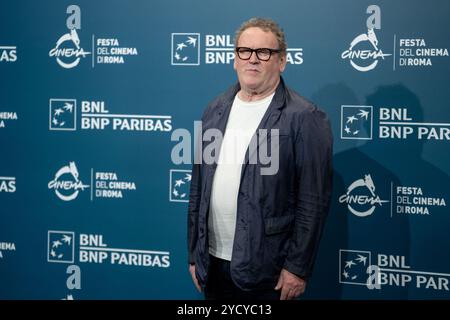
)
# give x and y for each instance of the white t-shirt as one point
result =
(242, 123)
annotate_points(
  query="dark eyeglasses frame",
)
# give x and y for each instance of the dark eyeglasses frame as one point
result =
(256, 52)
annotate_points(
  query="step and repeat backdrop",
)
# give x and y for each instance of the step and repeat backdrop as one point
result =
(98, 98)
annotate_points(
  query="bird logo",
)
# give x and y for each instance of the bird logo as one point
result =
(180, 182)
(356, 122)
(353, 266)
(185, 48)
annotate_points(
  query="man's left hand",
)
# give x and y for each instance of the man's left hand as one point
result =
(291, 285)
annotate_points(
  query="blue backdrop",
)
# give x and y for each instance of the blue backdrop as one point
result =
(92, 205)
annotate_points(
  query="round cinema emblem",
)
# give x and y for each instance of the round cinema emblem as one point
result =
(361, 198)
(68, 48)
(67, 188)
(358, 57)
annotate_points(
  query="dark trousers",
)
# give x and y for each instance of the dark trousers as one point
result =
(220, 286)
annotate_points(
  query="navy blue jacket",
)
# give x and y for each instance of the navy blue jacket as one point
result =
(280, 217)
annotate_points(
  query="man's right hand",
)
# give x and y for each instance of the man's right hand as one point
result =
(194, 278)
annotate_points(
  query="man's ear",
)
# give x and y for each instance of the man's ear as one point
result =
(283, 62)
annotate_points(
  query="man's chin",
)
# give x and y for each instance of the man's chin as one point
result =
(251, 85)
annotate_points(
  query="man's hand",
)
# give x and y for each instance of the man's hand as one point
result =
(194, 278)
(291, 285)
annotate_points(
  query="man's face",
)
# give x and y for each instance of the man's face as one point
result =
(255, 75)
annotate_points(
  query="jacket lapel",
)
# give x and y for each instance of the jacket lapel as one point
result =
(221, 116)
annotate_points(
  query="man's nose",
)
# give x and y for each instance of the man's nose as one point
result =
(254, 58)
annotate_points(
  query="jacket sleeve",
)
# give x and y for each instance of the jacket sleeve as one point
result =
(193, 210)
(313, 157)
(195, 193)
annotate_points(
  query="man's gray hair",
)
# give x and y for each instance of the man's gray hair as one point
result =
(266, 25)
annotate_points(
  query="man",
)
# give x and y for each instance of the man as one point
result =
(253, 234)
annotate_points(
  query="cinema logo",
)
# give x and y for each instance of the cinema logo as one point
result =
(360, 197)
(356, 268)
(67, 184)
(68, 50)
(363, 52)
(218, 49)
(94, 115)
(93, 249)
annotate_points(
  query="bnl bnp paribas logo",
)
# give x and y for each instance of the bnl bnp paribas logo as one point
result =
(92, 248)
(364, 52)
(69, 50)
(218, 49)
(391, 122)
(95, 115)
(356, 267)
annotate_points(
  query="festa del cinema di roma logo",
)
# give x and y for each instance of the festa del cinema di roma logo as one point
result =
(68, 50)
(67, 184)
(363, 52)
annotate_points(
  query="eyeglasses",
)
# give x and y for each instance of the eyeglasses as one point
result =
(263, 54)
